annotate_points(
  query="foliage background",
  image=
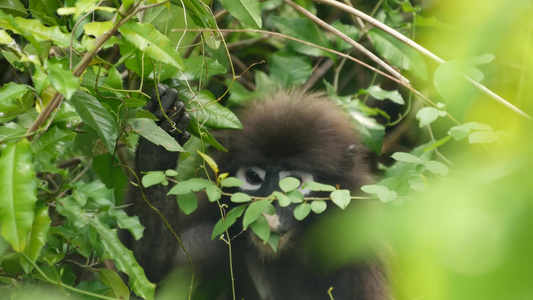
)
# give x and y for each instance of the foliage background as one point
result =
(454, 162)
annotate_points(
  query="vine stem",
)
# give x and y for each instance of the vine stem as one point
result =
(65, 286)
(402, 38)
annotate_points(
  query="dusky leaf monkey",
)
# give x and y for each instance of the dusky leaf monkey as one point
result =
(290, 134)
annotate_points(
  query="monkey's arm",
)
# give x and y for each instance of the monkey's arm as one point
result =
(156, 251)
(151, 157)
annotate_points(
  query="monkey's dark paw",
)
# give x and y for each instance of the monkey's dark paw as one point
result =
(170, 111)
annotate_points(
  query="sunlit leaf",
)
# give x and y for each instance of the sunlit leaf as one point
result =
(380, 94)
(438, 168)
(318, 206)
(254, 211)
(14, 100)
(341, 198)
(153, 178)
(288, 184)
(130, 223)
(240, 198)
(210, 161)
(230, 182)
(407, 157)
(146, 38)
(428, 115)
(189, 186)
(319, 187)
(301, 211)
(18, 194)
(37, 238)
(203, 106)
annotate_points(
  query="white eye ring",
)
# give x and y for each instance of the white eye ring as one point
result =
(252, 178)
(304, 177)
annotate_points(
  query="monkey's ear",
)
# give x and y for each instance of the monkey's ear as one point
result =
(350, 151)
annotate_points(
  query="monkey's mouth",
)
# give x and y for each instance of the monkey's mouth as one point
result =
(274, 246)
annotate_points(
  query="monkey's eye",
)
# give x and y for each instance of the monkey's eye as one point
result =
(252, 178)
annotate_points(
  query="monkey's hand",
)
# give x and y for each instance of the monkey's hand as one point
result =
(164, 104)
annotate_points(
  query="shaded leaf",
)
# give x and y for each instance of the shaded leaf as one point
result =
(203, 106)
(306, 30)
(223, 224)
(290, 70)
(380, 94)
(14, 100)
(148, 129)
(261, 229)
(189, 186)
(117, 287)
(188, 203)
(246, 11)
(436, 167)
(93, 113)
(130, 223)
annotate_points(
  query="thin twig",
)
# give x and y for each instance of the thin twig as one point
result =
(347, 39)
(402, 38)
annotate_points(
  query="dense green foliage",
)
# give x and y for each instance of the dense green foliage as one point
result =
(455, 166)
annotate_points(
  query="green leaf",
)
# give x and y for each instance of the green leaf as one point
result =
(13, 7)
(462, 131)
(200, 67)
(14, 100)
(61, 79)
(283, 200)
(383, 193)
(130, 223)
(318, 206)
(273, 241)
(93, 113)
(204, 107)
(230, 182)
(449, 81)
(97, 28)
(438, 143)
(436, 167)
(261, 229)
(189, 186)
(198, 129)
(117, 287)
(5, 38)
(11, 131)
(254, 211)
(306, 30)
(319, 187)
(398, 53)
(428, 115)
(124, 259)
(295, 196)
(37, 238)
(213, 193)
(149, 40)
(153, 178)
(290, 70)
(188, 203)
(171, 173)
(246, 11)
(301, 211)
(483, 137)
(240, 198)
(288, 184)
(18, 194)
(223, 224)
(35, 30)
(376, 92)
(53, 143)
(341, 198)
(407, 157)
(149, 130)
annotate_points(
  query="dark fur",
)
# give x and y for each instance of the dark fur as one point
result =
(295, 131)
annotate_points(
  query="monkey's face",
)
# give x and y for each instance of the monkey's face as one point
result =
(262, 182)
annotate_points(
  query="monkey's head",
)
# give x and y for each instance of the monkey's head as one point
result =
(301, 135)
